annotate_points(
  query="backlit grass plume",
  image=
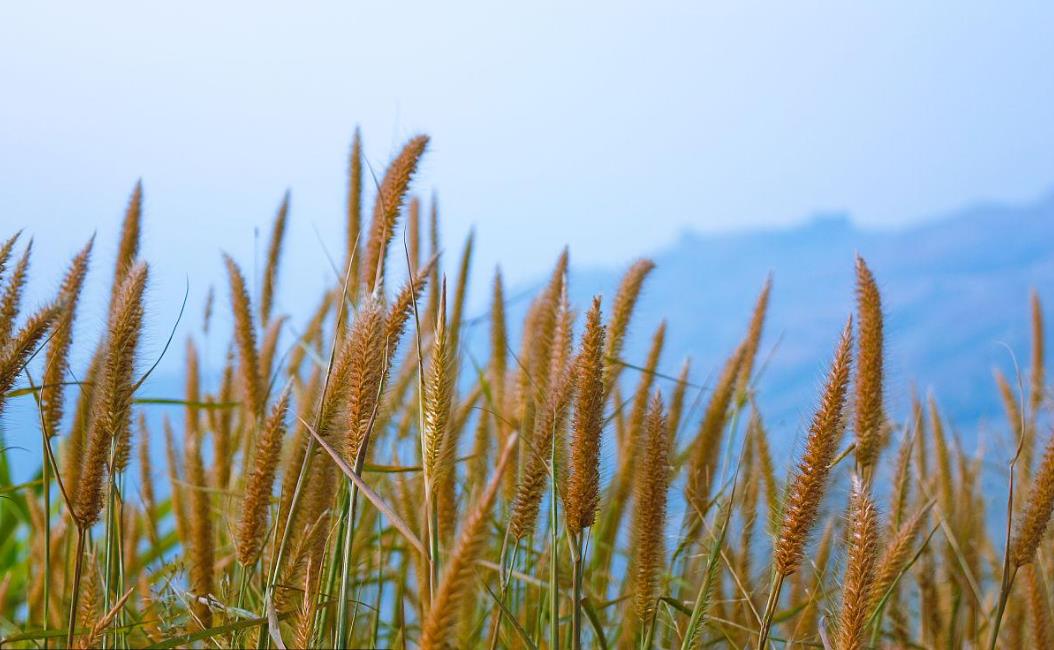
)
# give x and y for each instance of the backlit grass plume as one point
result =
(274, 256)
(860, 570)
(649, 521)
(353, 226)
(260, 482)
(387, 206)
(11, 298)
(112, 407)
(869, 415)
(438, 453)
(583, 485)
(809, 482)
(16, 352)
(245, 335)
(57, 360)
(365, 379)
(702, 465)
(1033, 522)
(621, 312)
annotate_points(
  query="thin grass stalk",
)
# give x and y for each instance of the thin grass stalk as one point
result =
(309, 453)
(109, 545)
(700, 610)
(506, 566)
(46, 479)
(1021, 547)
(360, 461)
(341, 632)
(554, 558)
(75, 593)
(576, 610)
(770, 608)
(458, 571)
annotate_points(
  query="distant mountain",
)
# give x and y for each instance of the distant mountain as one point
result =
(955, 292)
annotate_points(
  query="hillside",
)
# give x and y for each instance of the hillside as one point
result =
(955, 293)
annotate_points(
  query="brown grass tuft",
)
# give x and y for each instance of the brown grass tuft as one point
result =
(57, 360)
(457, 576)
(621, 312)
(402, 308)
(245, 335)
(366, 376)
(15, 352)
(354, 207)
(12, 296)
(809, 483)
(413, 232)
(1039, 610)
(438, 452)
(274, 257)
(222, 431)
(457, 315)
(5, 251)
(146, 481)
(702, 466)
(649, 521)
(543, 449)
(870, 417)
(128, 249)
(1032, 524)
(1038, 378)
(895, 555)
(753, 340)
(386, 208)
(583, 487)
(677, 402)
(112, 403)
(202, 550)
(258, 486)
(859, 571)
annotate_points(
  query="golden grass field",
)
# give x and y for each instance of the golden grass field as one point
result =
(365, 483)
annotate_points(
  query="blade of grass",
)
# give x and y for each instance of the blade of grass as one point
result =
(368, 492)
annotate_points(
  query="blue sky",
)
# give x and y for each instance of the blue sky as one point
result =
(607, 126)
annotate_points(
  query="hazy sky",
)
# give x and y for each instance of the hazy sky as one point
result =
(608, 126)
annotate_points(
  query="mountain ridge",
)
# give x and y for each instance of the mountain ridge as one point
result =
(955, 293)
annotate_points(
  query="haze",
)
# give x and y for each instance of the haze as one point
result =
(610, 127)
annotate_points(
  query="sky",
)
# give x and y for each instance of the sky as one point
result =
(611, 127)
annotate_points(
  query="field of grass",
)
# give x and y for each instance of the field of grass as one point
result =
(356, 479)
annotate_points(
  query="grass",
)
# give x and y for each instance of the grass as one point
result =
(366, 482)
